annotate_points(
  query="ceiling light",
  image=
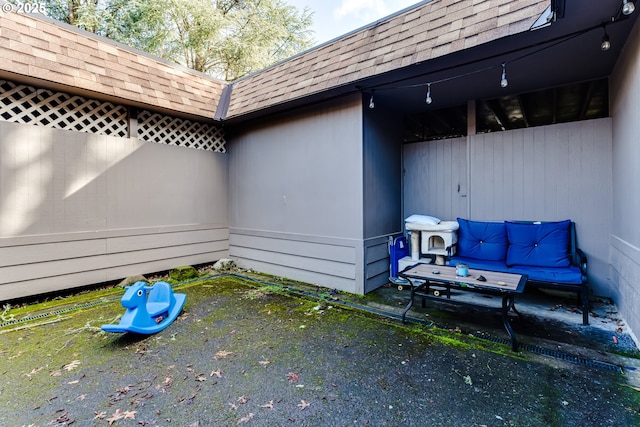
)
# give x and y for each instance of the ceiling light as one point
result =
(428, 100)
(504, 82)
(371, 103)
(627, 7)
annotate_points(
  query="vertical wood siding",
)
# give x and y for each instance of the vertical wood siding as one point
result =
(549, 173)
(78, 208)
(544, 173)
(433, 171)
(296, 195)
(382, 189)
(625, 239)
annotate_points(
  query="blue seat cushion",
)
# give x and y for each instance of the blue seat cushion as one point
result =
(538, 244)
(481, 264)
(482, 240)
(569, 275)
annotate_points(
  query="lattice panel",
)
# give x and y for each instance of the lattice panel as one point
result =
(43, 107)
(183, 133)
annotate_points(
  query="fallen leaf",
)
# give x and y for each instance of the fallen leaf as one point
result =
(33, 372)
(222, 354)
(201, 378)
(100, 415)
(243, 399)
(245, 419)
(268, 405)
(64, 419)
(467, 380)
(72, 365)
(302, 405)
(263, 362)
(168, 381)
(118, 415)
(292, 377)
(217, 373)
(130, 415)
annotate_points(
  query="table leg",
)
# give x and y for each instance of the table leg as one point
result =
(408, 307)
(507, 304)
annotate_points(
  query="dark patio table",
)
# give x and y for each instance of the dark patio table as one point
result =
(435, 282)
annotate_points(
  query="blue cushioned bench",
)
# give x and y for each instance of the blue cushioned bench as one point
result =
(545, 251)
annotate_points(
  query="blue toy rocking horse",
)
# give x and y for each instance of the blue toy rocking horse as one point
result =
(150, 309)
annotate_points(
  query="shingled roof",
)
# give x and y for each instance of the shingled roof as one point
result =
(417, 34)
(50, 54)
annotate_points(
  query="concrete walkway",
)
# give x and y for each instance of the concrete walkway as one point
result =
(255, 353)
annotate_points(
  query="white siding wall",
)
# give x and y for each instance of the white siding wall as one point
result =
(545, 173)
(78, 208)
(625, 236)
(296, 195)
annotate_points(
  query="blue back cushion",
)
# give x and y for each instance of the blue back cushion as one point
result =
(482, 240)
(541, 245)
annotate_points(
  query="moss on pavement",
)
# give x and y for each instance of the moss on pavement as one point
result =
(245, 352)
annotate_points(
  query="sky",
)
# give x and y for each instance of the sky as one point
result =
(333, 18)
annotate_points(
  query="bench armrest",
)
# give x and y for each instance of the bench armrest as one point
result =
(450, 250)
(581, 259)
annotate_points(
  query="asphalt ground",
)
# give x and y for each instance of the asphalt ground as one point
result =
(262, 353)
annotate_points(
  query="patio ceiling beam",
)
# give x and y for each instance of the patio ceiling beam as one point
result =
(586, 100)
(522, 108)
(443, 122)
(494, 107)
(416, 128)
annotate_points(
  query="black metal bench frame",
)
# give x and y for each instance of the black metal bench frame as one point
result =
(578, 259)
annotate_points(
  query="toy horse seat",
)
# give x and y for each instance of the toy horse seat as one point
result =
(160, 299)
(149, 309)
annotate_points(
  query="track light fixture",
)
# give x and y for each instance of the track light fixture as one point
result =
(428, 99)
(504, 82)
(606, 43)
(627, 7)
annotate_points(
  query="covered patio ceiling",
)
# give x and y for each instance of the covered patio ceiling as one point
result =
(556, 73)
